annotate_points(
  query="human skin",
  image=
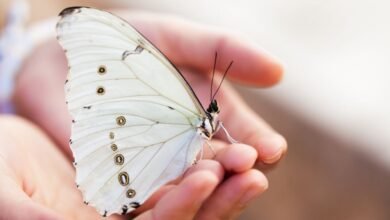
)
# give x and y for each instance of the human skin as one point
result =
(204, 190)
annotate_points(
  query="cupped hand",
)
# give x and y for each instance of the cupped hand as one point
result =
(216, 193)
(37, 182)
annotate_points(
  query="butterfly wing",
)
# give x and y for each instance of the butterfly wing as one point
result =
(135, 117)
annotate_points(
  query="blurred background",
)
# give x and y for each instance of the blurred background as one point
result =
(332, 106)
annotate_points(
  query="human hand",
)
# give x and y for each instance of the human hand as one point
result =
(191, 48)
(37, 182)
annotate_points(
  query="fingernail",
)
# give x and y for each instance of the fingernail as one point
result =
(272, 149)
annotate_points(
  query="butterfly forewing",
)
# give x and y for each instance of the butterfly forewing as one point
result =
(135, 117)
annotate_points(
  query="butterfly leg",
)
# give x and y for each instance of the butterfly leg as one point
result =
(211, 149)
(230, 138)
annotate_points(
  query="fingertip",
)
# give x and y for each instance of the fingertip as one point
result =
(256, 184)
(271, 148)
(275, 72)
(237, 157)
(253, 66)
(268, 68)
(259, 180)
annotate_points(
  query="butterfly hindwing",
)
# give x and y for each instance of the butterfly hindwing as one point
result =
(135, 117)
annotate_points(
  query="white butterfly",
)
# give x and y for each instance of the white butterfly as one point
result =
(137, 123)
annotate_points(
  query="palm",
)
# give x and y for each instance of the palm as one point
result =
(44, 177)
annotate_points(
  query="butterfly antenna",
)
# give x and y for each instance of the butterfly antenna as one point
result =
(224, 75)
(212, 78)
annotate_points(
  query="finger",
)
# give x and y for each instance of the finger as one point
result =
(204, 165)
(228, 201)
(237, 158)
(242, 123)
(247, 127)
(192, 45)
(185, 200)
(151, 202)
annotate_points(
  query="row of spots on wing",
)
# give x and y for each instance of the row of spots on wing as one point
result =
(119, 160)
(101, 70)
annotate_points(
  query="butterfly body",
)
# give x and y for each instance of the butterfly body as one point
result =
(137, 124)
(211, 123)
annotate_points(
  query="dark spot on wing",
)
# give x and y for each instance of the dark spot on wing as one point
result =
(170, 107)
(121, 120)
(71, 10)
(114, 147)
(100, 90)
(105, 213)
(124, 209)
(123, 178)
(134, 205)
(137, 50)
(70, 141)
(102, 69)
(87, 107)
(119, 159)
(131, 193)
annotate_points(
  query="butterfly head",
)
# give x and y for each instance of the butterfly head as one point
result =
(213, 107)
